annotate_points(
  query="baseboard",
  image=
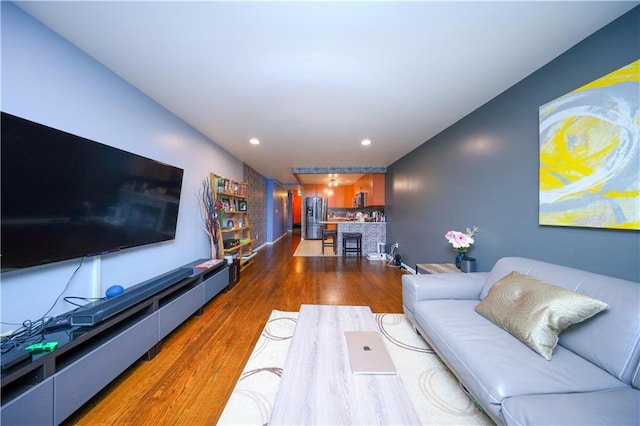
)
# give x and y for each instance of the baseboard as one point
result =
(403, 265)
(277, 239)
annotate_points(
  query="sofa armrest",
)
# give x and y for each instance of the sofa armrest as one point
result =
(440, 286)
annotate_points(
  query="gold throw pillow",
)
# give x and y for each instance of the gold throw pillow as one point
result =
(536, 312)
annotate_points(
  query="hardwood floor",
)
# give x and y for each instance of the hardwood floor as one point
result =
(191, 379)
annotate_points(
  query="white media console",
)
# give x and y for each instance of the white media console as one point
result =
(51, 387)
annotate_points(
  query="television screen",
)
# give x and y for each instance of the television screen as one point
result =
(64, 196)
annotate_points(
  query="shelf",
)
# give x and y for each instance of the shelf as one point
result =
(239, 246)
(234, 197)
(247, 260)
(249, 256)
(231, 194)
(237, 228)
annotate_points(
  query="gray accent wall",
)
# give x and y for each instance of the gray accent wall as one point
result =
(483, 170)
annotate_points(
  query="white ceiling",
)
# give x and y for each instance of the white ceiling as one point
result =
(312, 79)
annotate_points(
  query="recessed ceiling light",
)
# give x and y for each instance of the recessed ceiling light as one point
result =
(254, 141)
(366, 142)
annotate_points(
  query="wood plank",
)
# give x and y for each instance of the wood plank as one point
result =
(191, 379)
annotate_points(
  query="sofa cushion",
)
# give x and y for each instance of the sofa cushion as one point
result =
(617, 330)
(493, 364)
(610, 407)
(440, 286)
(536, 312)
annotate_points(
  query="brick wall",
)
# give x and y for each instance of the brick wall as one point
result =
(372, 234)
(257, 204)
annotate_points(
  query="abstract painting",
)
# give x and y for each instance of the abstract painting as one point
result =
(590, 154)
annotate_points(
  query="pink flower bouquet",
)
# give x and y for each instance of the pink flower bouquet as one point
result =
(461, 241)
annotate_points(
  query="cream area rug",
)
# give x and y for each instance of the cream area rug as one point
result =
(436, 394)
(312, 248)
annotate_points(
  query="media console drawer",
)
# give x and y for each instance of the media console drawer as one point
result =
(77, 383)
(215, 284)
(21, 411)
(177, 311)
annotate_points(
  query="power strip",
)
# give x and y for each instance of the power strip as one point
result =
(376, 256)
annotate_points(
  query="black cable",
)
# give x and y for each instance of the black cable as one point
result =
(65, 287)
(32, 331)
(86, 299)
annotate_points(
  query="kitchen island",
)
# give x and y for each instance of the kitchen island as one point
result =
(372, 233)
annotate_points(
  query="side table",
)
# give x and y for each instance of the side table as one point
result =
(436, 268)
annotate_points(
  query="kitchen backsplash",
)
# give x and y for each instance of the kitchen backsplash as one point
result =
(369, 211)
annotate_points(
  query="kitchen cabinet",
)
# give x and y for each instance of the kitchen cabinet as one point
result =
(314, 190)
(373, 185)
(377, 192)
(348, 194)
(340, 196)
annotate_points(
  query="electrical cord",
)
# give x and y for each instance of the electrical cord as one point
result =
(390, 262)
(396, 259)
(30, 332)
(33, 331)
(65, 287)
(86, 299)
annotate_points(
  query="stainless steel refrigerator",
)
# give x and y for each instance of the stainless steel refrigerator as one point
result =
(316, 211)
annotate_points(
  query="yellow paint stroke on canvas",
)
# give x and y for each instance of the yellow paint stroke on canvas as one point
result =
(589, 154)
(570, 162)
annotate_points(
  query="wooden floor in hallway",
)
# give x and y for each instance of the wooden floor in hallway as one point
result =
(190, 380)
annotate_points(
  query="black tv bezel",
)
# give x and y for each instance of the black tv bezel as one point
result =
(46, 260)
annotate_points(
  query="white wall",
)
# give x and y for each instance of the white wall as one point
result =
(48, 80)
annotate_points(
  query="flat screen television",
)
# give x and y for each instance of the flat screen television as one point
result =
(65, 197)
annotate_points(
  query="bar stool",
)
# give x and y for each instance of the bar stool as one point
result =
(329, 234)
(352, 237)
